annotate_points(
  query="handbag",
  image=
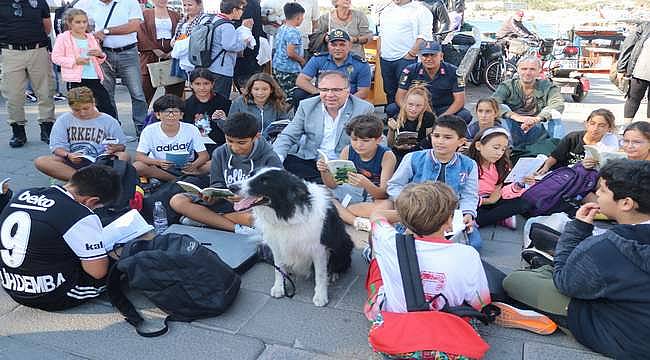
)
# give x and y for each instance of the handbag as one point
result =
(161, 74)
(421, 332)
(317, 42)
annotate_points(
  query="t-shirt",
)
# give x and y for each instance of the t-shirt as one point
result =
(88, 70)
(571, 149)
(24, 29)
(453, 269)
(53, 233)
(287, 35)
(85, 136)
(155, 143)
(194, 107)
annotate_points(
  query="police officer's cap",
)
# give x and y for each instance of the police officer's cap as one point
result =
(429, 47)
(338, 34)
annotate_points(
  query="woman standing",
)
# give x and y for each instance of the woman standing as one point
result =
(354, 22)
(154, 43)
(194, 15)
(634, 63)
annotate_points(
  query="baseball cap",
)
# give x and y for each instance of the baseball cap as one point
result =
(338, 34)
(429, 47)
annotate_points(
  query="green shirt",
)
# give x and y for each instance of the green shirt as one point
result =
(546, 95)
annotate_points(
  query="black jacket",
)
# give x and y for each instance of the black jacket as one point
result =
(608, 279)
(440, 15)
(246, 65)
(631, 48)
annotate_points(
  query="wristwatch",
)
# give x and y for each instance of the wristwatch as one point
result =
(106, 31)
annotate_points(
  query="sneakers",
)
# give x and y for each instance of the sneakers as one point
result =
(245, 230)
(366, 254)
(362, 224)
(59, 97)
(511, 317)
(510, 223)
(30, 97)
(184, 220)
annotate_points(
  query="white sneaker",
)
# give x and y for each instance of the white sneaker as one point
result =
(362, 224)
(189, 222)
(245, 230)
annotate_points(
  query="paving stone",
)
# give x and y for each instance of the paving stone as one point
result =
(504, 349)
(245, 307)
(277, 352)
(355, 297)
(17, 349)
(6, 303)
(296, 324)
(81, 329)
(501, 253)
(557, 338)
(538, 351)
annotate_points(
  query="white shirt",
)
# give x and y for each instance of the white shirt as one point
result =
(453, 269)
(401, 26)
(328, 145)
(124, 11)
(155, 143)
(163, 28)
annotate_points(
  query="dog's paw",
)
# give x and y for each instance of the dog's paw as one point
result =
(277, 291)
(320, 300)
(333, 277)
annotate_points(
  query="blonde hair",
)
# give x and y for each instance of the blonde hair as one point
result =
(419, 90)
(71, 13)
(80, 95)
(424, 208)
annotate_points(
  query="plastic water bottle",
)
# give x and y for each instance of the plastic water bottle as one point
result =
(159, 218)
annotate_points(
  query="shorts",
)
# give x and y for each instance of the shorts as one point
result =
(357, 194)
(221, 206)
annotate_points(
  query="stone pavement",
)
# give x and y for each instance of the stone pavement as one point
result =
(256, 326)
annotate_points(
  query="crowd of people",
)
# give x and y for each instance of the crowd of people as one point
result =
(311, 108)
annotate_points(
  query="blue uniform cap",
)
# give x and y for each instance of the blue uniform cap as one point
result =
(338, 34)
(429, 47)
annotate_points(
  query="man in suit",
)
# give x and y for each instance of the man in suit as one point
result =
(321, 121)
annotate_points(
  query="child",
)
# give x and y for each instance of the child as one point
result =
(232, 162)
(288, 58)
(204, 103)
(444, 164)
(83, 131)
(571, 149)
(169, 135)
(455, 270)
(487, 115)
(375, 165)
(598, 283)
(263, 98)
(636, 141)
(497, 202)
(416, 115)
(80, 56)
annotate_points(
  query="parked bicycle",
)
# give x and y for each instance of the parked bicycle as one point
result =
(491, 66)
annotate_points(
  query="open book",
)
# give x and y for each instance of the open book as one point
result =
(602, 155)
(525, 167)
(179, 158)
(91, 158)
(209, 191)
(338, 168)
(457, 224)
(124, 229)
(406, 138)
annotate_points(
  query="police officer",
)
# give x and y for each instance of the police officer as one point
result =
(447, 89)
(338, 58)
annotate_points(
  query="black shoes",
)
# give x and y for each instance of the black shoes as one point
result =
(46, 129)
(19, 138)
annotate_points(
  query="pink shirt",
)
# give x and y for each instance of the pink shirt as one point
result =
(487, 183)
(65, 53)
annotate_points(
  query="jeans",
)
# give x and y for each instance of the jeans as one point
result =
(503, 209)
(554, 128)
(126, 65)
(390, 73)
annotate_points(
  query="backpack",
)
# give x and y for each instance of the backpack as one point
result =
(128, 180)
(561, 190)
(179, 275)
(201, 41)
(59, 16)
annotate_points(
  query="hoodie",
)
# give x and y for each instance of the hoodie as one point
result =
(228, 168)
(608, 279)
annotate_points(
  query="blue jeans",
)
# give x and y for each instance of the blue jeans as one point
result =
(390, 73)
(553, 128)
(126, 65)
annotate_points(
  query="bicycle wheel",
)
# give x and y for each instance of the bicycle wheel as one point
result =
(498, 71)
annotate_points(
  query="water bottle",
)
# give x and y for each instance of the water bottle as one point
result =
(159, 218)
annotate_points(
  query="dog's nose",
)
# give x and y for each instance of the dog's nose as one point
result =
(234, 188)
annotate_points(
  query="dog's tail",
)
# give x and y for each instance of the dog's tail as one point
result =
(337, 241)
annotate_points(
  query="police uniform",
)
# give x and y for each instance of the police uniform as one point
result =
(442, 86)
(45, 235)
(355, 67)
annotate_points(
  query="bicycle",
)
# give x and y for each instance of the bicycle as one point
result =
(491, 66)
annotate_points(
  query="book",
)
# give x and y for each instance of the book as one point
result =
(209, 191)
(602, 155)
(338, 168)
(457, 224)
(282, 122)
(525, 167)
(406, 138)
(91, 158)
(124, 229)
(179, 158)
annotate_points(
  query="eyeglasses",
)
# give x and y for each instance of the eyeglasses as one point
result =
(332, 90)
(632, 143)
(18, 8)
(171, 112)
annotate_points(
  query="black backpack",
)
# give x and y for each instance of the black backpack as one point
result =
(128, 179)
(179, 275)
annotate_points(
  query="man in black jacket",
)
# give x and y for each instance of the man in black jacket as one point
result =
(634, 63)
(599, 285)
(440, 15)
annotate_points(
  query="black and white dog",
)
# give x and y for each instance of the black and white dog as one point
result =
(301, 226)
